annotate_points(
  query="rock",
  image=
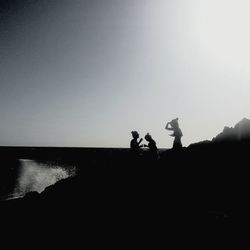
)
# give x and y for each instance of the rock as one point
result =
(241, 131)
(31, 195)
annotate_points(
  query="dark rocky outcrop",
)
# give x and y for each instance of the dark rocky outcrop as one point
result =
(202, 184)
(240, 132)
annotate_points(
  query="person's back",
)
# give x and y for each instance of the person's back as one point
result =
(153, 150)
(152, 146)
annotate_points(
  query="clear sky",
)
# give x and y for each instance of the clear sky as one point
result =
(86, 73)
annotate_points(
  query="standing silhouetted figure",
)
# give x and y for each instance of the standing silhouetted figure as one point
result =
(134, 144)
(153, 151)
(177, 134)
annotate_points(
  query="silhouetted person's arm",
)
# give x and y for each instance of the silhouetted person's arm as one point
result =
(168, 128)
(140, 142)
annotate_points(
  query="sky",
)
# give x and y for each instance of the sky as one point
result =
(85, 73)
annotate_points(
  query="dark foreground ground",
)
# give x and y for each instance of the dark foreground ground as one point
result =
(199, 191)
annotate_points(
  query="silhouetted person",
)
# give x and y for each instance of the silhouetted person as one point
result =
(153, 151)
(135, 144)
(177, 134)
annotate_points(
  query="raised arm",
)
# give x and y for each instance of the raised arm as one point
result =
(167, 127)
(140, 142)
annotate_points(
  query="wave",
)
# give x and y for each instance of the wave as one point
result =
(34, 176)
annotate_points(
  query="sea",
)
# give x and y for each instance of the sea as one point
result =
(32, 169)
(21, 176)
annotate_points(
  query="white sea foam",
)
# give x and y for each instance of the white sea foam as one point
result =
(36, 176)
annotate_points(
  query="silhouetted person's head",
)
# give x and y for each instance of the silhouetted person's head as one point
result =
(148, 137)
(135, 134)
(174, 123)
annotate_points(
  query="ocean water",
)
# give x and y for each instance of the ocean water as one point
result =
(31, 175)
(27, 169)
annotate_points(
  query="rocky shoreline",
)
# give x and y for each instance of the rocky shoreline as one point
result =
(205, 185)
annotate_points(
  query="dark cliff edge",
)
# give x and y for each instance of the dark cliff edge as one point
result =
(205, 184)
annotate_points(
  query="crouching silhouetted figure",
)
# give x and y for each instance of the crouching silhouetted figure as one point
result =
(153, 150)
(135, 145)
(177, 134)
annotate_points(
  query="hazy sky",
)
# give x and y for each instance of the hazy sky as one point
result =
(87, 73)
